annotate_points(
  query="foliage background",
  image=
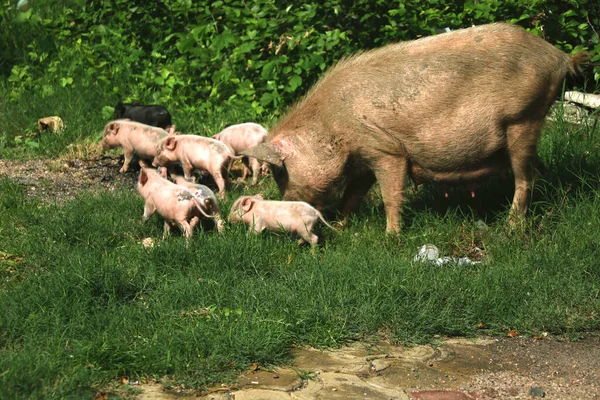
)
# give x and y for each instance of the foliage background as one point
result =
(229, 60)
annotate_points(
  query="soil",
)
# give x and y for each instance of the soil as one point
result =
(59, 180)
(497, 368)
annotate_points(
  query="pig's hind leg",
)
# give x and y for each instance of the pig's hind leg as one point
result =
(186, 228)
(306, 235)
(522, 150)
(166, 229)
(221, 181)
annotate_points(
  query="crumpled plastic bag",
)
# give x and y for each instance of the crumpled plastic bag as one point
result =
(430, 253)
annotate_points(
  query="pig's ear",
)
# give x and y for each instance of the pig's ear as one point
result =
(114, 128)
(264, 152)
(259, 196)
(247, 204)
(143, 177)
(170, 143)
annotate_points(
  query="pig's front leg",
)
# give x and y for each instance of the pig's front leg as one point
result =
(257, 225)
(149, 209)
(255, 166)
(128, 153)
(187, 170)
(246, 171)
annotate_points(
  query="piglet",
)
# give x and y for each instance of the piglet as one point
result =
(192, 151)
(134, 138)
(176, 204)
(296, 217)
(241, 137)
(205, 197)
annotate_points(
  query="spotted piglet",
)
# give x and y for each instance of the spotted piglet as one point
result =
(205, 197)
(176, 204)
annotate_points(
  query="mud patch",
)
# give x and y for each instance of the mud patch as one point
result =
(58, 180)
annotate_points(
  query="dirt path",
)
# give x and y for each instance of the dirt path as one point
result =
(51, 180)
(459, 369)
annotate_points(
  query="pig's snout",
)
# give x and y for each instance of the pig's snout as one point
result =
(233, 217)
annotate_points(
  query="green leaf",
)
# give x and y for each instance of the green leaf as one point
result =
(294, 82)
(267, 70)
(108, 112)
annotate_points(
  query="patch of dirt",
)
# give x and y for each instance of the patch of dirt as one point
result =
(549, 368)
(59, 180)
(516, 368)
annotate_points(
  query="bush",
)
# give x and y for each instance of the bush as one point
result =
(251, 57)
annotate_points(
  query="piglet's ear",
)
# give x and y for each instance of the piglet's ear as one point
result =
(247, 204)
(114, 128)
(143, 177)
(170, 143)
(259, 196)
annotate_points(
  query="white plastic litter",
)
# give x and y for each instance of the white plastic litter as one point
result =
(430, 253)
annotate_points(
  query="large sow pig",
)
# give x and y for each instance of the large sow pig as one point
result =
(296, 217)
(452, 108)
(241, 137)
(192, 151)
(153, 115)
(176, 204)
(134, 138)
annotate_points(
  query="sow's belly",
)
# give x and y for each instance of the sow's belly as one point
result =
(465, 174)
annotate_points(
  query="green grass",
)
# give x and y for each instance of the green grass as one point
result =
(83, 302)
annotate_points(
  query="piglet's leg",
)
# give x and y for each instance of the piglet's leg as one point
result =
(257, 226)
(149, 209)
(255, 166)
(221, 183)
(246, 170)
(166, 230)
(187, 170)
(309, 237)
(187, 229)
(128, 153)
(193, 222)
